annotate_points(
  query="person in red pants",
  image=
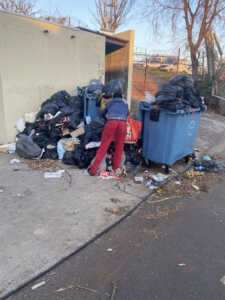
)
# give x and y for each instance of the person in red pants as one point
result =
(115, 129)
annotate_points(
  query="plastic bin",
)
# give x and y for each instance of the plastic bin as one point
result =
(90, 105)
(170, 138)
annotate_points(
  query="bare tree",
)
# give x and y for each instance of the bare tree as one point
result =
(215, 61)
(110, 14)
(23, 7)
(195, 17)
(66, 21)
(57, 17)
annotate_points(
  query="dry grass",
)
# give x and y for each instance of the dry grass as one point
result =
(43, 164)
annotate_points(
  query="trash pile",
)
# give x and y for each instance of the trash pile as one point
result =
(179, 94)
(207, 164)
(60, 129)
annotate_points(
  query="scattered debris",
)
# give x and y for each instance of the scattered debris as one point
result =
(34, 287)
(117, 211)
(195, 187)
(3, 150)
(159, 191)
(113, 291)
(159, 177)
(138, 179)
(60, 290)
(190, 174)
(9, 148)
(57, 174)
(206, 157)
(182, 265)
(177, 182)
(222, 280)
(148, 183)
(153, 187)
(107, 175)
(66, 288)
(14, 161)
(115, 200)
(109, 249)
(209, 165)
(87, 289)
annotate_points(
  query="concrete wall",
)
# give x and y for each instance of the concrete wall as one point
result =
(35, 64)
(119, 64)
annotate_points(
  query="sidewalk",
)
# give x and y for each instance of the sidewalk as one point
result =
(44, 220)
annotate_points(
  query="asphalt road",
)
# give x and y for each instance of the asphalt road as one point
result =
(174, 250)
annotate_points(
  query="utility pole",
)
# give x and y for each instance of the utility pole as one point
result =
(178, 60)
(146, 64)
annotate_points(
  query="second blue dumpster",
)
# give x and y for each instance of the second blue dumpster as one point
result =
(168, 136)
(91, 109)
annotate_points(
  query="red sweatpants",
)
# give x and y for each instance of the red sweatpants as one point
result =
(113, 131)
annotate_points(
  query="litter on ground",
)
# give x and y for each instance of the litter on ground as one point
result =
(36, 286)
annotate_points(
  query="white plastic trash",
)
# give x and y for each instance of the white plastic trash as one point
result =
(14, 161)
(159, 177)
(149, 98)
(57, 174)
(20, 125)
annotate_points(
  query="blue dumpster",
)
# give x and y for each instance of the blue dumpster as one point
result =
(90, 105)
(171, 137)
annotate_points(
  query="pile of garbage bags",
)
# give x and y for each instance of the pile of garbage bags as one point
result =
(59, 130)
(179, 94)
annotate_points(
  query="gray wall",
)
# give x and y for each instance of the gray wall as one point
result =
(34, 65)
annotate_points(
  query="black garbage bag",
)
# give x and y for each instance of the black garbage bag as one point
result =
(67, 110)
(183, 81)
(131, 152)
(68, 158)
(50, 152)
(56, 103)
(95, 86)
(192, 98)
(28, 128)
(79, 157)
(61, 98)
(113, 88)
(55, 134)
(41, 138)
(74, 120)
(168, 92)
(173, 105)
(49, 108)
(77, 103)
(85, 157)
(26, 148)
(93, 131)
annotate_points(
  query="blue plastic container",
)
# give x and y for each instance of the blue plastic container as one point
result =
(91, 109)
(170, 138)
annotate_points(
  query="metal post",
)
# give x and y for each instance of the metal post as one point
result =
(178, 60)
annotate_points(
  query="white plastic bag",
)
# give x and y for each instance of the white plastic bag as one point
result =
(149, 98)
(20, 125)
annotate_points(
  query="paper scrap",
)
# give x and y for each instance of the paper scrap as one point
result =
(34, 287)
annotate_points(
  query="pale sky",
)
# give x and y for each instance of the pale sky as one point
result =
(82, 9)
